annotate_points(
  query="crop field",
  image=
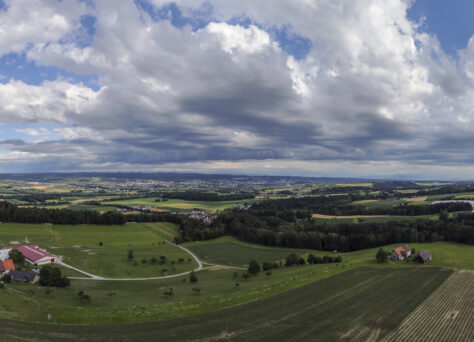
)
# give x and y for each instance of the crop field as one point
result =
(177, 204)
(370, 218)
(446, 315)
(357, 305)
(231, 252)
(79, 247)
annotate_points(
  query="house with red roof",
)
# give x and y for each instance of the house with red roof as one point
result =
(7, 265)
(400, 253)
(35, 255)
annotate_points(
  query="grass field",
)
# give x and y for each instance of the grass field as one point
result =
(79, 247)
(229, 251)
(446, 315)
(358, 305)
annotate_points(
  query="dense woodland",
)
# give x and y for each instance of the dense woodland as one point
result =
(287, 223)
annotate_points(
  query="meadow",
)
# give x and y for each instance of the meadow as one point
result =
(229, 251)
(103, 250)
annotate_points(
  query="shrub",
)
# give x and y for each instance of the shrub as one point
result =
(83, 298)
(192, 277)
(246, 275)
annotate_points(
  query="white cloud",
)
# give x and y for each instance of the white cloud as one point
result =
(35, 22)
(372, 86)
(50, 101)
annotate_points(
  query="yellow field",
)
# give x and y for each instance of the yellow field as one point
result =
(416, 199)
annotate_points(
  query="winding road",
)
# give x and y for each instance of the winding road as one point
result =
(96, 277)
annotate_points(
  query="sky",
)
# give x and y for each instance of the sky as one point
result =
(341, 88)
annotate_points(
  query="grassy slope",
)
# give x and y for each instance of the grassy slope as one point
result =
(355, 305)
(79, 246)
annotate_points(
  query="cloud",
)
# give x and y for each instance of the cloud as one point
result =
(371, 88)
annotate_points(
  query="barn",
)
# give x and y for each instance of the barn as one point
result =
(4, 253)
(35, 255)
(423, 257)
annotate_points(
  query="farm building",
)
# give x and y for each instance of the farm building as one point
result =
(4, 253)
(400, 253)
(7, 265)
(35, 255)
(423, 257)
(26, 276)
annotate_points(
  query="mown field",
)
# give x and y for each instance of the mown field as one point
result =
(446, 315)
(80, 247)
(230, 251)
(358, 305)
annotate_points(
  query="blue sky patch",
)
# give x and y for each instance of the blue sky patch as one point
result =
(16, 66)
(451, 21)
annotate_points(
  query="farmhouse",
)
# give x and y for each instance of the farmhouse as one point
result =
(7, 265)
(423, 257)
(4, 253)
(400, 253)
(26, 276)
(35, 255)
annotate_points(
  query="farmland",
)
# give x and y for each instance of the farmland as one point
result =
(177, 204)
(447, 314)
(347, 306)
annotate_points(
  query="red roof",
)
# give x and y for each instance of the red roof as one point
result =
(8, 264)
(33, 253)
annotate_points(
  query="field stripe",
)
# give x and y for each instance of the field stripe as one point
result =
(446, 315)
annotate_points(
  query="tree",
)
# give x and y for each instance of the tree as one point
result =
(192, 277)
(444, 215)
(254, 267)
(7, 279)
(130, 255)
(51, 276)
(381, 255)
(311, 259)
(17, 257)
(292, 259)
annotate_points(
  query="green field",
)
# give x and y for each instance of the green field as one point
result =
(79, 247)
(358, 305)
(229, 251)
